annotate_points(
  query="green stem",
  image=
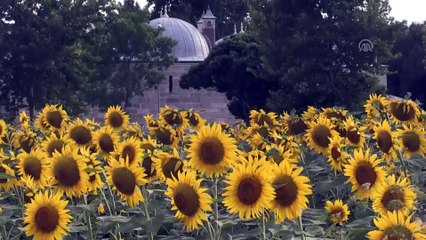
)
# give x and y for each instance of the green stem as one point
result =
(263, 227)
(111, 193)
(216, 207)
(88, 221)
(145, 206)
(402, 164)
(301, 227)
(106, 202)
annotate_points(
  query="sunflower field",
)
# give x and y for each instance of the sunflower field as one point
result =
(326, 174)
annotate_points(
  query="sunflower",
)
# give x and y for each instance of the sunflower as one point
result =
(7, 183)
(34, 165)
(165, 135)
(279, 153)
(364, 173)
(194, 119)
(337, 157)
(133, 130)
(25, 140)
(319, 134)
(105, 140)
(126, 180)
(94, 169)
(46, 217)
(54, 117)
(405, 111)
(150, 121)
(262, 118)
(148, 144)
(30, 188)
(40, 122)
(394, 194)
(291, 190)
(173, 118)
(385, 140)
(310, 114)
(168, 165)
(211, 151)
(130, 151)
(355, 135)
(337, 211)
(289, 143)
(149, 166)
(396, 225)
(24, 120)
(3, 130)
(116, 118)
(189, 199)
(249, 191)
(412, 141)
(294, 125)
(375, 105)
(54, 144)
(80, 133)
(68, 172)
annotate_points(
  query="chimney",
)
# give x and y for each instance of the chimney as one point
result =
(207, 24)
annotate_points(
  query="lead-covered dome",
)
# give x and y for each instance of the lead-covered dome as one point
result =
(191, 45)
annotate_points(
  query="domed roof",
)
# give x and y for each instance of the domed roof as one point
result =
(191, 45)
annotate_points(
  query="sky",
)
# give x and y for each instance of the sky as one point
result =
(410, 10)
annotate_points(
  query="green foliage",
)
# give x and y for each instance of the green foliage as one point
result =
(311, 49)
(228, 12)
(233, 67)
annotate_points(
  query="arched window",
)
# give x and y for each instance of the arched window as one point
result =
(170, 83)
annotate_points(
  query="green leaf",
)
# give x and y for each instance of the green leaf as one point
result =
(4, 176)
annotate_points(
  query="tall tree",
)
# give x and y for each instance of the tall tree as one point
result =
(311, 49)
(228, 12)
(233, 67)
(134, 56)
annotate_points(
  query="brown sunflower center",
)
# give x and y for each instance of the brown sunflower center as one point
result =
(212, 151)
(403, 111)
(124, 180)
(55, 145)
(384, 141)
(365, 174)
(320, 135)
(172, 167)
(66, 171)
(46, 219)
(264, 118)
(393, 199)
(81, 135)
(336, 115)
(116, 119)
(54, 118)
(148, 146)
(32, 167)
(147, 165)
(285, 190)
(193, 120)
(296, 126)
(249, 190)
(105, 143)
(411, 141)
(353, 136)
(186, 199)
(173, 118)
(398, 232)
(336, 214)
(263, 131)
(164, 136)
(129, 152)
(335, 153)
(27, 143)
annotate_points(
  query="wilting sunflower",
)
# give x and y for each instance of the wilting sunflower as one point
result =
(337, 211)
(25, 140)
(262, 118)
(126, 180)
(130, 151)
(173, 118)
(394, 194)
(319, 134)
(375, 105)
(337, 156)
(116, 118)
(68, 172)
(94, 169)
(54, 143)
(249, 191)
(194, 119)
(412, 141)
(364, 173)
(189, 199)
(54, 117)
(168, 165)
(80, 133)
(34, 165)
(105, 140)
(385, 140)
(405, 111)
(355, 135)
(211, 151)
(396, 225)
(291, 190)
(165, 135)
(3, 130)
(46, 217)
(8, 183)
